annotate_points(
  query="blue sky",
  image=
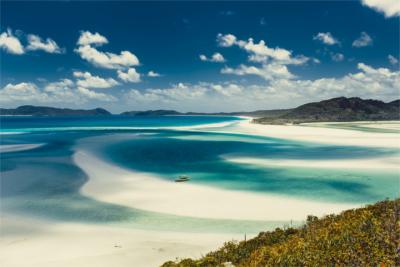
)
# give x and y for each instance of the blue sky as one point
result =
(194, 56)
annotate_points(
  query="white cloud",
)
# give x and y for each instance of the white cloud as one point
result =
(62, 91)
(105, 59)
(260, 52)
(390, 8)
(216, 57)
(53, 87)
(130, 76)
(393, 60)
(338, 57)
(270, 63)
(10, 43)
(95, 95)
(153, 74)
(88, 38)
(87, 80)
(21, 91)
(226, 40)
(277, 93)
(363, 40)
(49, 46)
(267, 72)
(326, 38)
(381, 83)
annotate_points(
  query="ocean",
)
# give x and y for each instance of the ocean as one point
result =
(39, 177)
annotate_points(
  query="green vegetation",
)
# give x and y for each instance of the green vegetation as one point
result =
(338, 109)
(50, 111)
(362, 237)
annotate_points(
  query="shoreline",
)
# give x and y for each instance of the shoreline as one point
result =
(317, 134)
(100, 245)
(148, 192)
(120, 245)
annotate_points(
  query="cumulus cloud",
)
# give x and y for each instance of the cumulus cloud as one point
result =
(10, 43)
(21, 92)
(216, 57)
(130, 76)
(267, 72)
(363, 40)
(49, 46)
(90, 94)
(260, 52)
(226, 40)
(326, 38)
(389, 8)
(270, 63)
(230, 96)
(13, 45)
(107, 60)
(393, 60)
(62, 91)
(153, 74)
(87, 80)
(88, 38)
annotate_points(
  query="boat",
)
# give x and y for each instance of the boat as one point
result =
(182, 178)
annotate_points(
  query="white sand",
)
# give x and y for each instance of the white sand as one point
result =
(19, 147)
(112, 184)
(383, 163)
(321, 134)
(40, 243)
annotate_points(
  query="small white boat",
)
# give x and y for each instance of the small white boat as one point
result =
(182, 178)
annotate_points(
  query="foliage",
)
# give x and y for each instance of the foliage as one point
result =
(362, 237)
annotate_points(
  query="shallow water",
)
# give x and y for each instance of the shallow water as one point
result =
(44, 181)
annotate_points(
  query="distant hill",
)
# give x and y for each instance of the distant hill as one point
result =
(335, 109)
(361, 237)
(161, 112)
(50, 111)
(338, 109)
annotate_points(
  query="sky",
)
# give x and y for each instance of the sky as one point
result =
(197, 56)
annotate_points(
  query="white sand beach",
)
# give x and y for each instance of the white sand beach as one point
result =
(321, 134)
(115, 185)
(41, 243)
(377, 163)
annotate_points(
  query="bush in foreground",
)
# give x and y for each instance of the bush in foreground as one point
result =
(361, 237)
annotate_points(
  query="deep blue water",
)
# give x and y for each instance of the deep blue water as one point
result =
(45, 182)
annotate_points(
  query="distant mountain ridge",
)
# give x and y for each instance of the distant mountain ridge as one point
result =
(335, 109)
(50, 111)
(162, 112)
(338, 109)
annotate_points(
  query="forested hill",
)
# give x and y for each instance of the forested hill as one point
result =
(338, 109)
(50, 111)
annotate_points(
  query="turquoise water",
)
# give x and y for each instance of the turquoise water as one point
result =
(44, 181)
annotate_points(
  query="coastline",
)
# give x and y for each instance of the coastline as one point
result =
(100, 245)
(119, 245)
(148, 192)
(317, 134)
